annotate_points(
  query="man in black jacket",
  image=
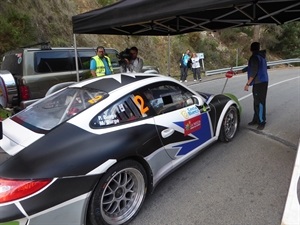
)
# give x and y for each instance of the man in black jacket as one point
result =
(258, 78)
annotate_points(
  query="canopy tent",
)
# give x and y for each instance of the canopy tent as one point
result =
(172, 17)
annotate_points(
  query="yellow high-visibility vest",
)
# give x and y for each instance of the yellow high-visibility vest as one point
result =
(100, 68)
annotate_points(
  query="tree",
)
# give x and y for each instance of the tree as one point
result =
(289, 44)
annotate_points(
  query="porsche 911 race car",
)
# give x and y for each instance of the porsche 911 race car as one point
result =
(91, 152)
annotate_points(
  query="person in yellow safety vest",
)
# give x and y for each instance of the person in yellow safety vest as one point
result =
(100, 64)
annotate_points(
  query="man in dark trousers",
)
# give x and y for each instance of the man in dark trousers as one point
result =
(258, 78)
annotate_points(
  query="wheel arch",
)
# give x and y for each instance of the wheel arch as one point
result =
(147, 169)
(138, 159)
(225, 109)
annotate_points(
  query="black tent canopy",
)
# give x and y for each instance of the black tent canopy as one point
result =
(172, 17)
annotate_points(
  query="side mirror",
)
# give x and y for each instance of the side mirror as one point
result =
(198, 101)
(189, 102)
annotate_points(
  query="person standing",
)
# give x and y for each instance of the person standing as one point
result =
(100, 64)
(184, 65)
(134, 64)
(196, 67)
(258, 78)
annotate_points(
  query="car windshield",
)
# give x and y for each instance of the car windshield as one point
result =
(57, 108)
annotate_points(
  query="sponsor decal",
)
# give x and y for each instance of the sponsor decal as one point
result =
(193, 111)
(95, 99)
(190, 112)
(184, 114)
(192, 125)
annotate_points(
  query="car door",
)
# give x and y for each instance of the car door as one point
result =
(184, 128)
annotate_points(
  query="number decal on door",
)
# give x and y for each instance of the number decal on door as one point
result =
(139, 101)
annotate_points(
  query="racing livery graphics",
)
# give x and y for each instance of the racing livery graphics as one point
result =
(91, 152)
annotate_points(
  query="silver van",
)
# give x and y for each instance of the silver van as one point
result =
(27, 74)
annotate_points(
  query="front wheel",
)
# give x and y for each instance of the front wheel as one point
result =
(229, 124)
(119, 194)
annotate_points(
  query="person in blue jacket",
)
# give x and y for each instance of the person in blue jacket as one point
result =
(184, 65)
(258, 78)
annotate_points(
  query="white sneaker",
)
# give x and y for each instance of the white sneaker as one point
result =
(180, 81)
(195, 80)
(185, 81)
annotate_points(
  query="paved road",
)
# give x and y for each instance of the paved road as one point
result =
(244, 182)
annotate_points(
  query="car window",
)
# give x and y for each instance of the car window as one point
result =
(52, 61)
(84, 58)
(167, 97)
(57, 108)
(112, 54)
(130, 108)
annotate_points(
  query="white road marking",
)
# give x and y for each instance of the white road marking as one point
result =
(272, 85)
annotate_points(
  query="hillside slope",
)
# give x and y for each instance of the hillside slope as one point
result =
(27, 22)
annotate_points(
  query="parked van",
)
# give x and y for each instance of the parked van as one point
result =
(28, 73)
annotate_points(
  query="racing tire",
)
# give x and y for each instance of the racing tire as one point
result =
(119, 194)
(229, 124)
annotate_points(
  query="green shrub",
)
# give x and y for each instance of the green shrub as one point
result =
(15, 29)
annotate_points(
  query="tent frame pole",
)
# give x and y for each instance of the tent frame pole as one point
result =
(169, 49)
(76, 57)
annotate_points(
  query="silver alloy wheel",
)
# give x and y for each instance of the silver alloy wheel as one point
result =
(230, 123)
(122, 196)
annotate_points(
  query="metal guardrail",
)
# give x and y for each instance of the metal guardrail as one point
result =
(271, 63)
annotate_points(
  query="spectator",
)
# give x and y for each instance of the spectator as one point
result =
(257, 78)
(136, 62)
(100, 65)
(184, 65)
(196, 67)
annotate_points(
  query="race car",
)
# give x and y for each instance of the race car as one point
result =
(91, 152)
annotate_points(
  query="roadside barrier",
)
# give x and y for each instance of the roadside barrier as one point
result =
(271, 63)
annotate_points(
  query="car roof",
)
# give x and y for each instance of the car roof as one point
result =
(112, 82)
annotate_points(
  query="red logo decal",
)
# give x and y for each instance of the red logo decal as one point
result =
(192, 125)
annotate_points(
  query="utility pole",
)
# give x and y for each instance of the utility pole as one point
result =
(256, 33)
(237, 57)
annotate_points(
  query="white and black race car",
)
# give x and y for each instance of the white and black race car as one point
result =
(89, 153)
